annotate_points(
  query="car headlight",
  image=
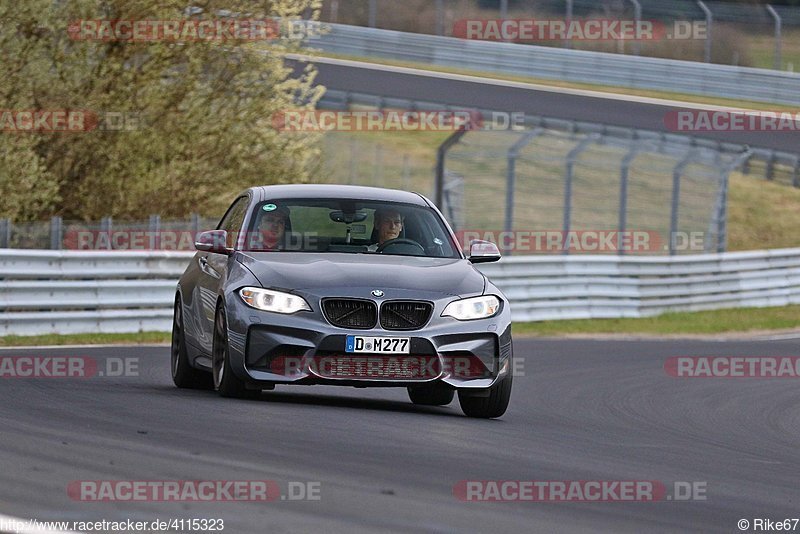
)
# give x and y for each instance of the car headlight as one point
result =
(273, 301)
(472, 308)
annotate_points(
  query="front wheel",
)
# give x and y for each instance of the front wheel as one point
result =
(225, 381)
(491, 406)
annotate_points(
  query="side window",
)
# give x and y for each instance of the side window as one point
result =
(233, 220)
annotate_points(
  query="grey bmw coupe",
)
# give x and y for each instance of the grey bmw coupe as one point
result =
(342, 285)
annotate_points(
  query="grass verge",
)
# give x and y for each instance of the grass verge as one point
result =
(736, 320)
(762, 214)
(140, 338)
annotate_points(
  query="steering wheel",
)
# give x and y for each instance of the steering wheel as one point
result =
(400, 241)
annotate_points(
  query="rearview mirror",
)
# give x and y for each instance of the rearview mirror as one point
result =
(349, 218)
(215, 241)
(483, 252)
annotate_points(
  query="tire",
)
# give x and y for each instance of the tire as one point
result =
(183, 374)
(225, 381)
(431, 395)
(489, 407)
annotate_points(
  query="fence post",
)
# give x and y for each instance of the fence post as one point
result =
(56, 232)
(353, 163)
(511, 174)
(441, 154)
(637, 17)
(373, 13)
(771, 166)
(677, 172)
(439, 17)
(453, 205)
(573, 130)
(571, 158)
(722, 213)
(796, 172)
(406, 173)
(746, 167)
(334, 11)
(709, 23)
(153, 228)
(5, 233)
(722, 207)
(623, 192)
(568, 39)
(377, 175)
(503, 9)
(105, 230)
(778, 26)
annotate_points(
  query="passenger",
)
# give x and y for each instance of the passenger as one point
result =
(272, 228)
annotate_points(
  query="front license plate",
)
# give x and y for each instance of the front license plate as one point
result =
(378, 345)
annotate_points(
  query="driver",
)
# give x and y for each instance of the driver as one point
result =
(389, 225)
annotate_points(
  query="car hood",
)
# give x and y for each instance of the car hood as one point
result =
(335, 274)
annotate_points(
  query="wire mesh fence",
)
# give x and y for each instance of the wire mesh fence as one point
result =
(547, 191)
(738, 33)
(108, 234)
(545, 188)
(373, 161)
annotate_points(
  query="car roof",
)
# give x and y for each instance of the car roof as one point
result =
(304, 191)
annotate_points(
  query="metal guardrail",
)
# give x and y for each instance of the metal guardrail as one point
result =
(740, 83)
(591, 287)
(67, 265)
(46, 292)
(54, 292)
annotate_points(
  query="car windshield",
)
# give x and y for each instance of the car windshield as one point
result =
(348, 226)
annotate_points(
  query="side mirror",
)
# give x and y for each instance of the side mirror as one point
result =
(483, 252)
(215, 241)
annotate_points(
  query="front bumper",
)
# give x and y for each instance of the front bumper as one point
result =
(267, 349)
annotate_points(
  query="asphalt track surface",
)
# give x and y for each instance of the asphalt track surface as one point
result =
(584, 410)
(551, 103)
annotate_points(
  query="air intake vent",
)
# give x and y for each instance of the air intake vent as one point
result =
(409, 315)
(350, 313)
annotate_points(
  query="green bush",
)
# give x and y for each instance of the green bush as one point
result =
(198, 113)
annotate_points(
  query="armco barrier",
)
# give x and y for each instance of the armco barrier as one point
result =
(46, 292)
(588, 287)
(740, 83)
(54, 292)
